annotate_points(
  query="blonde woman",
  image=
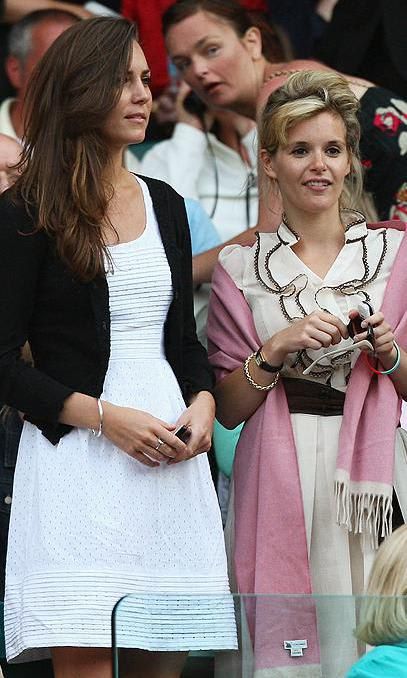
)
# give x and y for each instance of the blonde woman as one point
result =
(313, 473)
(384, 615)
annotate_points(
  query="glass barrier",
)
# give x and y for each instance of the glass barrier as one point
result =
(277, 636)
(281, 636)
(2, 646)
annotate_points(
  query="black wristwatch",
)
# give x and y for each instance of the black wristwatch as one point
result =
(264, 365)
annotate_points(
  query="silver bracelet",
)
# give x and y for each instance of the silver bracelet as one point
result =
(97, 432)
(250, 379)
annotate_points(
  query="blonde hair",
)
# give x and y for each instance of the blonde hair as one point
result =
(304, 95)
(384, 611)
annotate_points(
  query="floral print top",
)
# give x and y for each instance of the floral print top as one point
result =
(383, 146)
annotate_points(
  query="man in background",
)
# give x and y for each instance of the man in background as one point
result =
(14, 10)
(28, 41)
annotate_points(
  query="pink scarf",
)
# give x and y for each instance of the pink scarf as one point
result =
(270, 548)
(365, 464)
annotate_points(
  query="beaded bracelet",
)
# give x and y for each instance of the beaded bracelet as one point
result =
(392, 369)
(97, 432)
(250, 379)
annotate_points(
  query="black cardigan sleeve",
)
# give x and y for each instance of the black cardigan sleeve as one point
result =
(197, 373)
(22, 254)
(28, 261)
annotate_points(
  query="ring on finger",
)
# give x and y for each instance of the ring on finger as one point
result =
(159, 443)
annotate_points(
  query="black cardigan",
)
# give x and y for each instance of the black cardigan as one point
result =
(67, 322)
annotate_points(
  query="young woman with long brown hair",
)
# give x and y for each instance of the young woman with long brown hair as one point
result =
(97, 277)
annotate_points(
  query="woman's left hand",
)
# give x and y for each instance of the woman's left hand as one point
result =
(199, 418)
(383, 334)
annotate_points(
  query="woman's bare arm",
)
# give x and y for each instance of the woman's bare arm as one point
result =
(136, 432)
(237, 400)
(203, 264)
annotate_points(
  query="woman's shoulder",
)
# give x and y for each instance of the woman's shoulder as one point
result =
(234, 258)
(15, 216)
(237, 259)
(277, 73)
(21, 242)
(394, 224)
(159, 188)
(395, 231)
(385, 241)
(166, 202)
(11, 203)
(383, 660)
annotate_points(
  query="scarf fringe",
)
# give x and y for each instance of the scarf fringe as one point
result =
(364, 512)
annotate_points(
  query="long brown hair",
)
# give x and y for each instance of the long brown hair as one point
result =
(73, 89)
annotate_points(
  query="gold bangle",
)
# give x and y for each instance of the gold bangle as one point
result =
(250, 379)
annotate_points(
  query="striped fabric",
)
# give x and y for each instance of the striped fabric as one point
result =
(90, 524)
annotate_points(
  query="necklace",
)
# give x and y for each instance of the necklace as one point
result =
(279, 74)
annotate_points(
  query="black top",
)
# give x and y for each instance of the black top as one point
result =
(368, 39)
(67, 322)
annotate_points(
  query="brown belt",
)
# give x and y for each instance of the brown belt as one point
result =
(310, 397)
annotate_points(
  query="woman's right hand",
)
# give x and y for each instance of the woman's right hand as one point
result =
(185, 116)
(138, 434)
(317, 330)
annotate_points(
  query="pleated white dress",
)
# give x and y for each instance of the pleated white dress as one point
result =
(90, 524)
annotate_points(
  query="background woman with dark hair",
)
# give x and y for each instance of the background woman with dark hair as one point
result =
(107, 499)
(218, 51)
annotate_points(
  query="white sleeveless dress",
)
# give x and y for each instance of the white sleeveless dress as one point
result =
(90, 524)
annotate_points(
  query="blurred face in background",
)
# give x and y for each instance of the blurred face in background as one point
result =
(215, 61)
(9, 155)
(43, 35)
